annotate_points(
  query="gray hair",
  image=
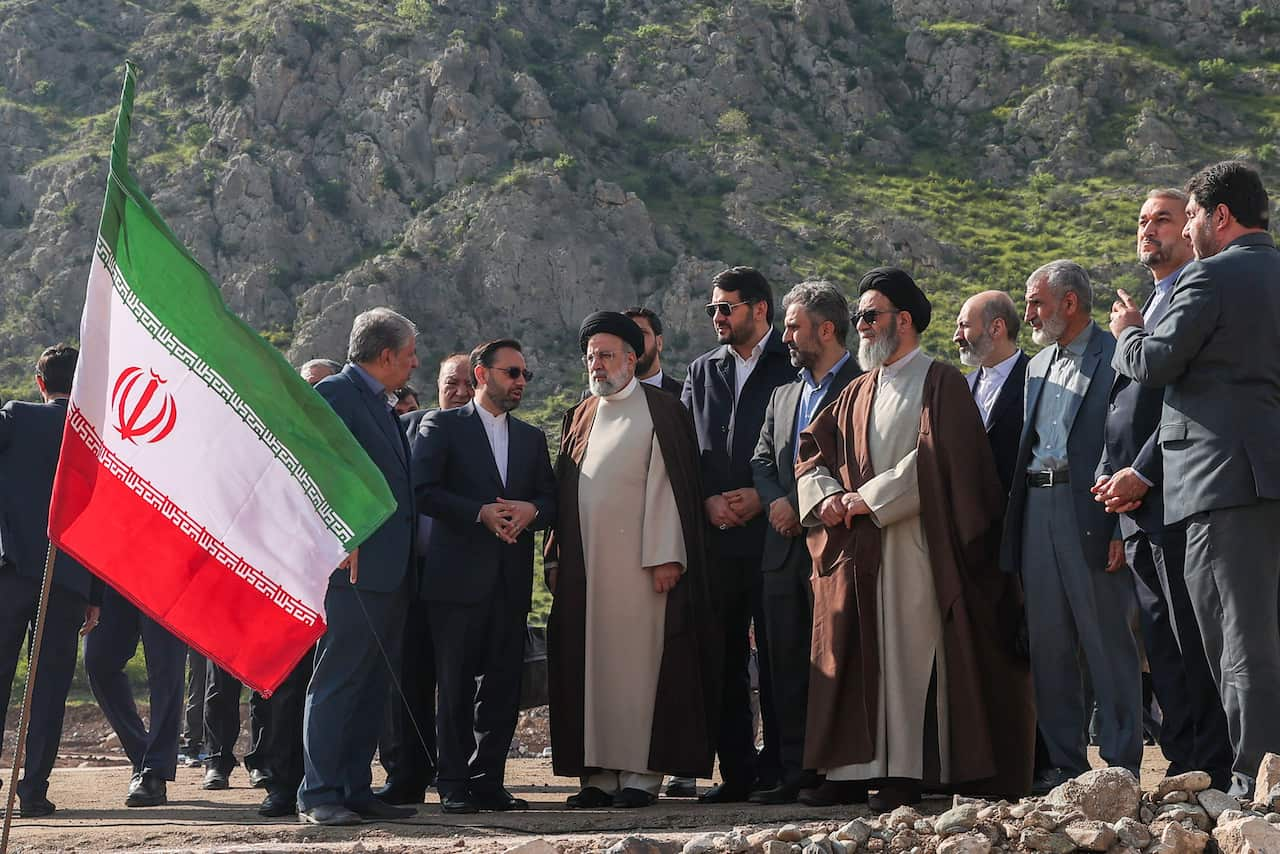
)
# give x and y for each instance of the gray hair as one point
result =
(312, 364)
(1169, 193)
(376, 330)
(1063, 277)
(823, 301)
(1000, 305)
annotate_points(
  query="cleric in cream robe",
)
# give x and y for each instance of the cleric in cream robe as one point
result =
(912, 616)
(628, 697)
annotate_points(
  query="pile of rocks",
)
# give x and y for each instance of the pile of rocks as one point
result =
(1102, 810)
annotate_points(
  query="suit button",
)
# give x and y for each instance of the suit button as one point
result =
(724, 429)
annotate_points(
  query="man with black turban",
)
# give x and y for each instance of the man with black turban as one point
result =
(632, 648)
(914, 678)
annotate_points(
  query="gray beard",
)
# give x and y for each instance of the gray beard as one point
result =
(873, 354)
(1050, 331)
(978, 351)
(612, 384)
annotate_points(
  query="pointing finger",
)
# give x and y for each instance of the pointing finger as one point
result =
(1125, 298)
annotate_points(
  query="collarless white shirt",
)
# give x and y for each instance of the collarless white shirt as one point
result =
(744, 367)
(990, 381)
(496, 427)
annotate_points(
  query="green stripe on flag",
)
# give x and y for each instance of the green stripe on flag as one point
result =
(184, 310)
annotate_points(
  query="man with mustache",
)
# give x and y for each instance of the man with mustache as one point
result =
(914, 681)
(633, 649)
(1079, 602)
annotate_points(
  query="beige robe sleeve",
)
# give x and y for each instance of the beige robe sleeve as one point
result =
(812, 489)
(663, 538)
(894, 494)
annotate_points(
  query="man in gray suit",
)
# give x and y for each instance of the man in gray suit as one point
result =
(814, 329)
(1079, 603)
(1217, 353)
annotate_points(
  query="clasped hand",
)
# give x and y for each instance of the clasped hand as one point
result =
(842, 509)
(507, 519)
(1121, 492)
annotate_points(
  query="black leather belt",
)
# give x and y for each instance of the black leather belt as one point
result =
(1048, 478)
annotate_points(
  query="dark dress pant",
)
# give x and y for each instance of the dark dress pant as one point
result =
(1193, 731)
(407, 748)
(19, 601)
(1078, 614)
(221, 718)
(191, 739)
(1233, 578)
(788, 618)
(107, 649)
(347, 695)
(277, 729)
(479, 651)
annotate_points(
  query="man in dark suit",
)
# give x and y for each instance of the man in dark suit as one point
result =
(30, 442)
(485, 479)
(728, 390)
(987, 335)
(1217, 354)
(1193, 732)
(1079, 602)
(649, 363)
(815, 326)
(367, 595)
(407, 748)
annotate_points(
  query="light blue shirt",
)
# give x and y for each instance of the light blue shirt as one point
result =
(813, 395)
(378, 389)
(1063, 385)
(1159, 302)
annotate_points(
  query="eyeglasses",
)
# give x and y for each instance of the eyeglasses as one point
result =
(599, 356)
(870, 315)
(723, 308)
(515, 373)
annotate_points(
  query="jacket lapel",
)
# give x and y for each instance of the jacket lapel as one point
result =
(1088, 364)
(1008, 391)
(789, 400)
(381, 415)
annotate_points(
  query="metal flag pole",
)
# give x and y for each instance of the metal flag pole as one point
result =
(24, 719)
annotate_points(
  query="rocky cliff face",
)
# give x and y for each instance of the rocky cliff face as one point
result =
(506, 167)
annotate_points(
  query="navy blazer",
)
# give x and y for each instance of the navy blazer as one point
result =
(727, 441)
(773, 466)
(385, 557)
(1084, 450)
(1004, 433)
(456, 475)
(30, 443)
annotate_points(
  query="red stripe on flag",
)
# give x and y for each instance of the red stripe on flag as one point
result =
(119, 536)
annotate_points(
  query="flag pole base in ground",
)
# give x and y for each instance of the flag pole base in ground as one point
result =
(24, 719)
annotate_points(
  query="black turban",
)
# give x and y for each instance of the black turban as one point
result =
(902, 291)
(612, 323)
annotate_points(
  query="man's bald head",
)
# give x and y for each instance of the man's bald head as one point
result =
(987, 329)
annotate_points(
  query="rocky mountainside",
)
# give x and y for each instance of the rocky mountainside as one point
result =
(506, 167)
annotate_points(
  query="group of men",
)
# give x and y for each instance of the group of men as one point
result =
(945, 577)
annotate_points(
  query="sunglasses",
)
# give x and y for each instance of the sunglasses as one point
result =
(724, 309)
(870, 315)
(515, 373)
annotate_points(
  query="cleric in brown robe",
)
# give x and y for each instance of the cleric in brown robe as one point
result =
(631, 643)
(915, 680)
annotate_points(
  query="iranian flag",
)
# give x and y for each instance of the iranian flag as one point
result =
(200, 476)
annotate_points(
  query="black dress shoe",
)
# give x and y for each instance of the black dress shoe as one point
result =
(894, 793)
(784, 793)
(376, 809)
(259, 779)
(146, 790)
(457, 804)
(590, 798)
(400, 795)
(279, 804)
(834, 793)
(1049, 779)
(629, 798)
(682, 788)
(36, 808)
(726, 793)
(215, 779)
(329, 815)
(497, 800)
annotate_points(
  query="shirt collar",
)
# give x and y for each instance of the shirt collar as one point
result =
(756, 350)
(807, 376)
(489, 418)
(1166, 283)
(889, 371)
(378, 389)
(1078, 344)
(655, 380)
(624, 392)
(1000, 370)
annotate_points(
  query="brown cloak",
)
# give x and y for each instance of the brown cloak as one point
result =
(990, 708)
(686, 708)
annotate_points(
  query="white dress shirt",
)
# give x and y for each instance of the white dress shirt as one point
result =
(744, 367)
(988, 384)
(496, 428)
(655, 380)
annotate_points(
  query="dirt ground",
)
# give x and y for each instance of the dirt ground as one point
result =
(89, 787)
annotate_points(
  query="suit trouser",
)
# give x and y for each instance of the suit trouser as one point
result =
(277, 740)
(1193, 733)
(191, 738)
(411, 721)
(221, 718)
(1074, 608)
(19, 601)
(347, 694)
(479, 650)
(788, 615)
(107, 649)
(1234, 583)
